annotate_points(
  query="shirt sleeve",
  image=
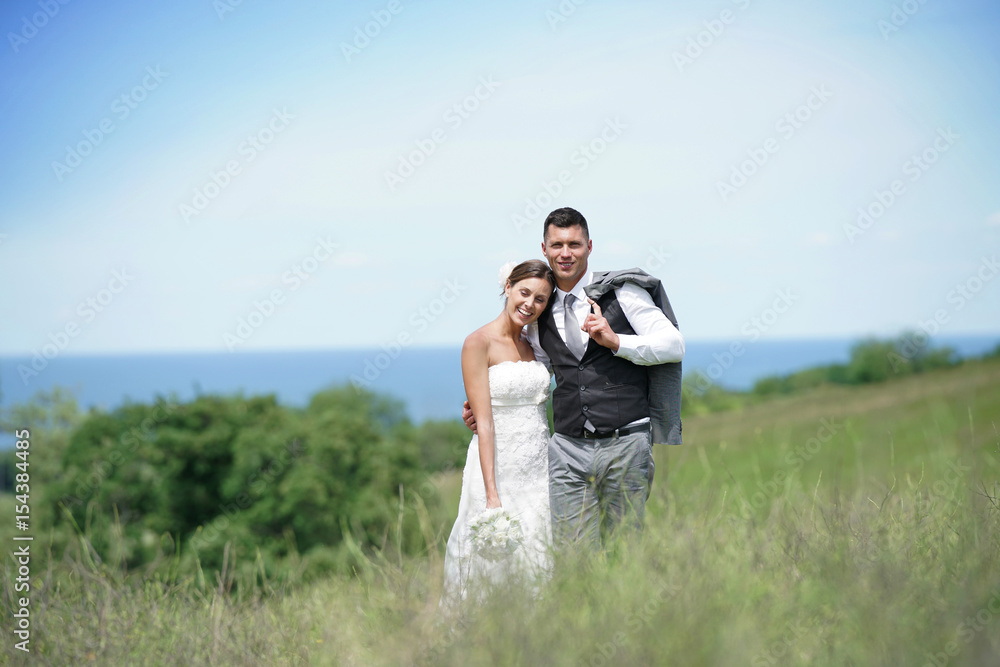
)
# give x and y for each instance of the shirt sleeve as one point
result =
(656, 340)
(530, 334)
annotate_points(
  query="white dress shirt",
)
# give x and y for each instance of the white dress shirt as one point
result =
(655, 341)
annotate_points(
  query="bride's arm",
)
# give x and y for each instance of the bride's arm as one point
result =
(475, 374)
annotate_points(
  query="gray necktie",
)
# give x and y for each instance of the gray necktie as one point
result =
(574, 336)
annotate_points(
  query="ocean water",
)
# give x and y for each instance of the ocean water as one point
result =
(427, 380)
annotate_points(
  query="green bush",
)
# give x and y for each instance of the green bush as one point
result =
(247, 474)
(872, 360)
(443, 444)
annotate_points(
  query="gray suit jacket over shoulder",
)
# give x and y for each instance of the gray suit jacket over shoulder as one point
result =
(664, 379)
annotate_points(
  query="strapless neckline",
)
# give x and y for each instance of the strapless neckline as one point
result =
(515, 361)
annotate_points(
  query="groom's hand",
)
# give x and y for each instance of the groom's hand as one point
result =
(468, 417)
(597, 327)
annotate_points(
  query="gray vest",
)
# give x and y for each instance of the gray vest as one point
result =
(606, 389)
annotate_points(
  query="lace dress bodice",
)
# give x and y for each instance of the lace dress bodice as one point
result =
(517, 383)
(518, 391)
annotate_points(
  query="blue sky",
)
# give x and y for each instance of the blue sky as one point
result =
(201, 175)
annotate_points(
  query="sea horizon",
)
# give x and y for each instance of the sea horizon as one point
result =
(427, 380)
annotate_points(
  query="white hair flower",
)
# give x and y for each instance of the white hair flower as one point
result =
(505, 273)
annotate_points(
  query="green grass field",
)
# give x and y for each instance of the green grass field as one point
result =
(845, 526)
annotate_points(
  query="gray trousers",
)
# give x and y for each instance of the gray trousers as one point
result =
(598, 485)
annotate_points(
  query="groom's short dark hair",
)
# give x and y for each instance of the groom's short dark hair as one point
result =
(565, 217)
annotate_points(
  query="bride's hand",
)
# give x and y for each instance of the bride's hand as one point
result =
(492, 503)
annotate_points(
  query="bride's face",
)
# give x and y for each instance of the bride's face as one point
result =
(526, 299)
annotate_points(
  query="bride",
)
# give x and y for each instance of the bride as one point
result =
(507, 464)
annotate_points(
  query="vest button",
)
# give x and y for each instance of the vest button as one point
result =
(583, 388)
(585, 408)
(581, 367)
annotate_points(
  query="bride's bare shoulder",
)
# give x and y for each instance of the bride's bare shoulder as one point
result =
(478, 342)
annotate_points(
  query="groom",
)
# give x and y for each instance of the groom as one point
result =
(602, 351)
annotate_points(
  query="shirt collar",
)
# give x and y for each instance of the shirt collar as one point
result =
(577, 290)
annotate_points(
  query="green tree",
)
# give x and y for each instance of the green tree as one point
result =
(871, 361)
(49, 417)
(354, 453)
(443, 445)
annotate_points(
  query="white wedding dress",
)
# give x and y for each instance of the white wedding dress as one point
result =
(518, 391)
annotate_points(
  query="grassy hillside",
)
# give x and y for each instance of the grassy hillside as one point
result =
(844, 526)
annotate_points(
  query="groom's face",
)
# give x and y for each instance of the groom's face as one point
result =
(567, 249)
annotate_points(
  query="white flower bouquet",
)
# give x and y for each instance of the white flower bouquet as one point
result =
(495, 535)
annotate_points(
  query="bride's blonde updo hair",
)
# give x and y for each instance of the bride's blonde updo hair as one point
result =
(532, 268)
